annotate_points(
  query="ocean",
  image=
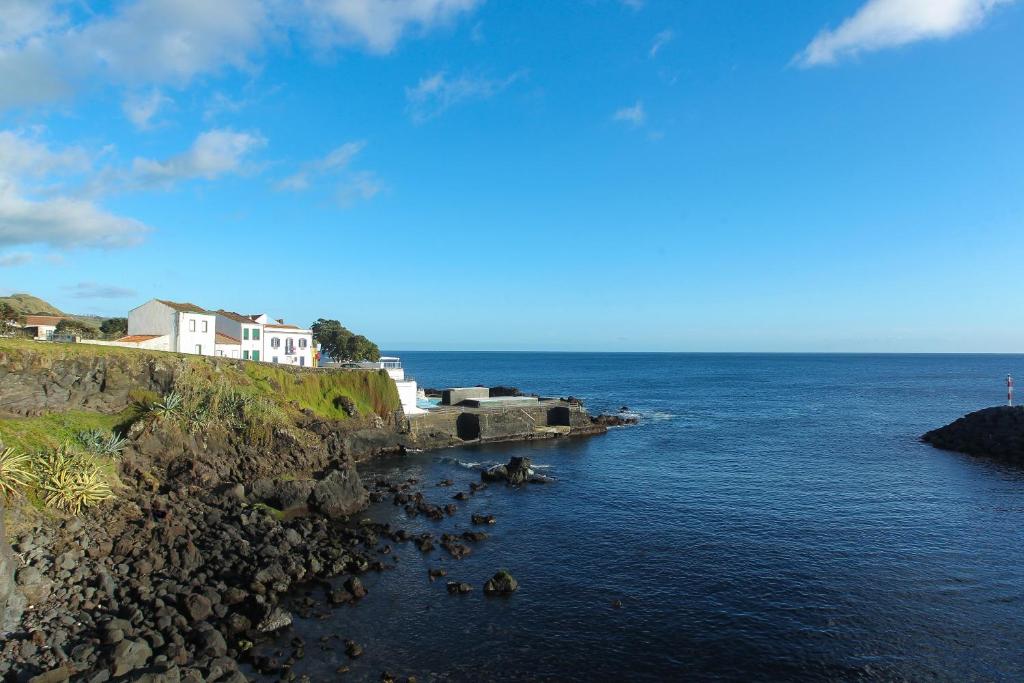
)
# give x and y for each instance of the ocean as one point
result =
(773, 517)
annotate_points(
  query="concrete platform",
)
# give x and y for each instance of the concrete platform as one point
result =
(500, 402)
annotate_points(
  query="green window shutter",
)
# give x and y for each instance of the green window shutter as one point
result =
(245, 333)
(255, 334)
(255, 355)
(245, 355)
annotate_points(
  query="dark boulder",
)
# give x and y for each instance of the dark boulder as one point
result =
(519, 470)
(129, 655)
(994, 432)
(614, 420)
(339, 494)
(502, 583)
(459, 587)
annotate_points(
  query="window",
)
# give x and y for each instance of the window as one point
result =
(275, 342)
(199, 349)
(256, 334)
(191, 325)
(205, 328)
(245, 333)
(220, 353)
(245, 355)
(302, 343)
(275, 359)
(255, 355)
(289, 347)
(302, 360)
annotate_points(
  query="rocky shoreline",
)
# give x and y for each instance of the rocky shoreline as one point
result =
(210, 533)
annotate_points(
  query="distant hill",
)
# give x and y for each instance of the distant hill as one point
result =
(26, 304)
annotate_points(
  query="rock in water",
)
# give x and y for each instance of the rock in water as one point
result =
(518, 470)
(614, 420)
(501, 583)
(995, 432)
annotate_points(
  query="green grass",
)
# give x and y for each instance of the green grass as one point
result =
(371, 391)
(49, 432)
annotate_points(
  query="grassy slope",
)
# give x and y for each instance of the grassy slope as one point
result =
(26, 304)
(317, 390)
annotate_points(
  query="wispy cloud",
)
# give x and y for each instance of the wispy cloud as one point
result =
(213, 154)
(880, 24)
(634, 116)
(336, 160)
(92, 290)
(661, 40)
(45, 56)
(15, 258)
(141, 108)
(363, 185)
(437, 93)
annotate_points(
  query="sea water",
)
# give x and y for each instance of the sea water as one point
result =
(773, 517)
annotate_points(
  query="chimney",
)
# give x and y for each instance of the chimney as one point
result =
(280, 321)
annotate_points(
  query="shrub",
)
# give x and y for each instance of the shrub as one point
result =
(99, 442)
(168, 406)
(15, 472)
(69, 481)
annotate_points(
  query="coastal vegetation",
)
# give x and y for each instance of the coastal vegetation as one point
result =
(341, 344)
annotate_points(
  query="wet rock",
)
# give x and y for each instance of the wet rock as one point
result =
(276, 619)
(992, 432)
(437, 573)
(354, 586)
(479, 518)
(461, 495)
(518, 470)
(353, 649)
(614, 420)
(502, 583)
(457, 587)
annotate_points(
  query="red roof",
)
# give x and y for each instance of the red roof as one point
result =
(220, 338)
(136, 338)
(34, 320)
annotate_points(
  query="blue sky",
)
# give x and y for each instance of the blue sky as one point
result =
(556, 175)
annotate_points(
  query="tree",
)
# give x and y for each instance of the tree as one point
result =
(114, 327)
(8, 318)
(340, 344)
(69, 327)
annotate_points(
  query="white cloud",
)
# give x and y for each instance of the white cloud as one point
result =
(335, 160)
(15, 258)
(24, 155)
(376, 24)
(880, 24)
(45, 57)
(92, 290)
(363, 185)
(634, 115)
(213, 154)
(661, 40)
(435, 94)
(140, 109)
(62, 223)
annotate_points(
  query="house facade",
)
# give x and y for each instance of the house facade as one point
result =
(245, 330)
(188, 328)
(287, 344)
(42, 326)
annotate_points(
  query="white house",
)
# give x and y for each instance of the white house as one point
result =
(247, 332)
(42, 326)
(187, 327)
(287, 344)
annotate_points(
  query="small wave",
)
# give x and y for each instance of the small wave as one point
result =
(658, 416)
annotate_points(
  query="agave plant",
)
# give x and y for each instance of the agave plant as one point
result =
(101, 442)
(15, 472)
(70, 482)
(169, 406)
